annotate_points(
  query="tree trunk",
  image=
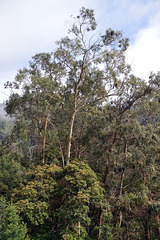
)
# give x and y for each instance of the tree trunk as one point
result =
(79, 229)
(44, 140)
(62, 154)
(120, 219)
(158, 228)
(148, 235)
(122, 178)
(147, 231)
(100, 223)
(70, 137)
(74, 112)
(120, 193)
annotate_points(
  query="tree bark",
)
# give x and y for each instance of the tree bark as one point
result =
(147, 231)
(62, 154)
(100, 223)
(122, 178)
(79, 229)
(148, 235)
(44, 140)
(120, 219)
(70, 137)
(158, 228)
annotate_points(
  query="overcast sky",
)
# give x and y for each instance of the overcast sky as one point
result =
(32, 26)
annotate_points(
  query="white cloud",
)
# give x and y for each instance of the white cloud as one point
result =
(32, 24)
(144, 53)
(128, 15)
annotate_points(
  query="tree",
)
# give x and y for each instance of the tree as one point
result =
(39, 86)
(82, 58)
(61, 202)
(81, 72)
(10, 225)
(11, 173)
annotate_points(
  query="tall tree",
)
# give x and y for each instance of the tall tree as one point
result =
(83, 71)
(92, 66)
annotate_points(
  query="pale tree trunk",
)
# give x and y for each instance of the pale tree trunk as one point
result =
(100, 223)
(148, 235)
(44, 140)
(122, 178)
(74, 111)
(79, 229)
(70, 137)
(120, 219)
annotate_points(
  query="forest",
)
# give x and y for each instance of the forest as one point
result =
(80, 153)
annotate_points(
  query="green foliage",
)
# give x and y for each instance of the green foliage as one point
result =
(33, 200)
(78, 74)
(81, 191)
(10, 174)
(62, 199)
(10, 225)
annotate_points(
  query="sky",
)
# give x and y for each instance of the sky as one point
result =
(28, 27)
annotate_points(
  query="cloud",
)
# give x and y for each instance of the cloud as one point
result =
(144, 52)
(32, 24)
(128, 15)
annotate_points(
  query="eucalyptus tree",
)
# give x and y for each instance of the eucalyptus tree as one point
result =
(92, 66)
(85, 69)
(37, 98)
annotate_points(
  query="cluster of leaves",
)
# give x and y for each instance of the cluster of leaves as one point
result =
(61, 200)
(11, 227)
